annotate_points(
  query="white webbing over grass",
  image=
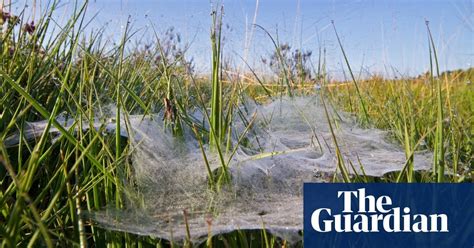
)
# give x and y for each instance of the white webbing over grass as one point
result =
(282, 151)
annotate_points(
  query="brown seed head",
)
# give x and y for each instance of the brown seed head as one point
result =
(30, 27)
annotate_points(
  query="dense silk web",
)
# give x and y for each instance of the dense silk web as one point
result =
(288, 144)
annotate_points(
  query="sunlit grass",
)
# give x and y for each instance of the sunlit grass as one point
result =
(408, 109)
(47, 184)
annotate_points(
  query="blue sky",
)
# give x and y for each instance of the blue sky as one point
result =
(379, 36)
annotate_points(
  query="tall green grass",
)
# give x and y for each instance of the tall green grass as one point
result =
(216, 133)
(409, 110)
(438, 160)
(49, 70)
(366, 119)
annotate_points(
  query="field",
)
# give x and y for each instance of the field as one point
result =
(88, 94)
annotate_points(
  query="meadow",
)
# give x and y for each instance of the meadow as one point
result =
(52, 178)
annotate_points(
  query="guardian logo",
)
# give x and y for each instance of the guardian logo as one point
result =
(388, 215)
(374, 213)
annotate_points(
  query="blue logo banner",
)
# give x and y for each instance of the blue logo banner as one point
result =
(388, 215)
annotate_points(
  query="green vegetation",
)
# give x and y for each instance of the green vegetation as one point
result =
(409, 109)
(46, 184)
